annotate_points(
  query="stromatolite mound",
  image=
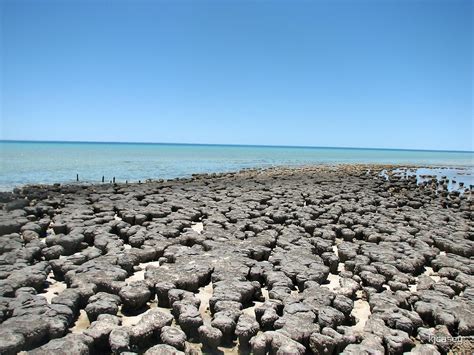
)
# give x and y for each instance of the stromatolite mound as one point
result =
(319, 260)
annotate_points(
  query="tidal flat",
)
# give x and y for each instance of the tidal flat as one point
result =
(353, 259)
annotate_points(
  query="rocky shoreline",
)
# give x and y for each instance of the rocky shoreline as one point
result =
(307, 260)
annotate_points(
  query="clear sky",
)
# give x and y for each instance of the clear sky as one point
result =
(354, 73)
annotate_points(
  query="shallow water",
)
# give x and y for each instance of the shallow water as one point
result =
(456, 178)
(453, 175)
(46, 162)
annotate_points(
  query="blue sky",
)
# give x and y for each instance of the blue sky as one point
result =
(380, 73)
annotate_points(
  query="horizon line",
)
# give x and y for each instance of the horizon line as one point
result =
(235, 145)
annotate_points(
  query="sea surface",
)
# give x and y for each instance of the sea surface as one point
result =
(51, 162)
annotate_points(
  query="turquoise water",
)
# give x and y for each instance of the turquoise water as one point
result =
(51, 162)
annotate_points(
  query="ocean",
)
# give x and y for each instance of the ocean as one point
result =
(52, 162)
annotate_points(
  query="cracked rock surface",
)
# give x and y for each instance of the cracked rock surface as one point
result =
(311, 260)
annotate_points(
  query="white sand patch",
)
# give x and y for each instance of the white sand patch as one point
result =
(82, 323)
(140, 275)
(333, 282)
(430, 272)
(54, 288)
(361, 312)
(128, 321)
(234, 350)
(231, 351)
(251, 310)
(137, 276)
(204, 295)
(294, 292)
(198, 227)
